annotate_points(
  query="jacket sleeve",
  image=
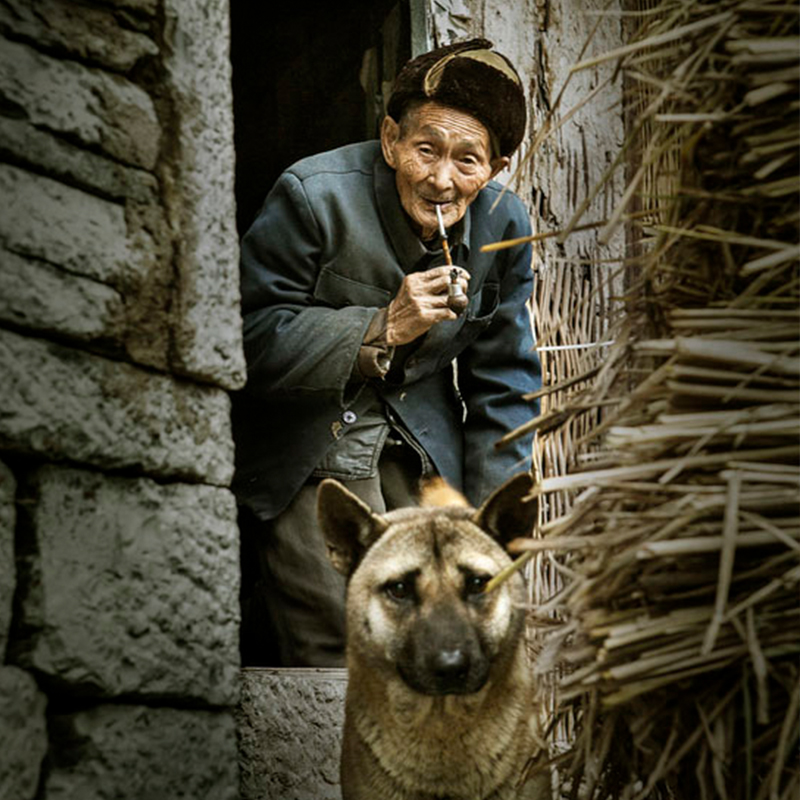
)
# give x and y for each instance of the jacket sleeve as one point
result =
(495, 373)
(293, 344)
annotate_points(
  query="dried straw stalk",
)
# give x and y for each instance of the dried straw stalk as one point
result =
(678, 544)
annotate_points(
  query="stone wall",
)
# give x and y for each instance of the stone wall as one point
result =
(120, 338)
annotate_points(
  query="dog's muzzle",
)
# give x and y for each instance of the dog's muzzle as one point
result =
(443, 655)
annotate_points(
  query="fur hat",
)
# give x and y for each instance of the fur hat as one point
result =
(469, 76)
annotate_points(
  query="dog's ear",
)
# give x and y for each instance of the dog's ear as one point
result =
(508, 513)
(348, 524)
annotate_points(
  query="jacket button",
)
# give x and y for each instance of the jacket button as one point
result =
(349, 417)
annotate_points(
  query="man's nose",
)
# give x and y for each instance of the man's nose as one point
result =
(441, 175)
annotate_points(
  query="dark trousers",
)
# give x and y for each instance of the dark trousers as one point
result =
(292, 598)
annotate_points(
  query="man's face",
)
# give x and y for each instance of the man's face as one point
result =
(441, 156)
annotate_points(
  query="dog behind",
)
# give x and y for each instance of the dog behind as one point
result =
(441, 701)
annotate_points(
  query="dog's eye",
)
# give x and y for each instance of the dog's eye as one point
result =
(400, 591)
(475, 584)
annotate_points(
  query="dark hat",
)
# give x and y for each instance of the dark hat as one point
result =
(472, 77)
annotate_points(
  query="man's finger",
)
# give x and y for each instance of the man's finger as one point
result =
(438, 283)
(437, 273)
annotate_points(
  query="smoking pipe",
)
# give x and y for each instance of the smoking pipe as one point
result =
(456, 299)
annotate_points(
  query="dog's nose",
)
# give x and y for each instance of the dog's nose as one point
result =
(451, 665)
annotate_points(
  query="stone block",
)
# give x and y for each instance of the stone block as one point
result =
(68, 404)
(124, 246)
(290, 727)
(25, 144)
(208, 331)
(23, 734)
(8, 572)
(92, 34)
(130, 588)
(149, 7)
(117, 752)
(77, 231)
(100, 110)
(35, 295)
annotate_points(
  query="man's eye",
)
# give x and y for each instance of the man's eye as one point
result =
(474, 585)
(399, 590)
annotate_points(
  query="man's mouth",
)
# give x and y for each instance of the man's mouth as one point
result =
(443, 204)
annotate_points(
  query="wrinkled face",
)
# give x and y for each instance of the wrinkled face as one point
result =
(416, 604)
(441, 156)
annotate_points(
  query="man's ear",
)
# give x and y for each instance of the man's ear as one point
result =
(498, 165)
(390, 133)
(348, 524)
(507, 513)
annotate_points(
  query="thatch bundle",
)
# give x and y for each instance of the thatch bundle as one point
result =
(680, 551)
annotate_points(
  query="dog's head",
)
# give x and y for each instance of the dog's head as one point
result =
(417, 603)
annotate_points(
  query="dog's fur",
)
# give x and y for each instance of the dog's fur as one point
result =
(441, 701)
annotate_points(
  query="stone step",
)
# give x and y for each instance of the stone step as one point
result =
(289, 726)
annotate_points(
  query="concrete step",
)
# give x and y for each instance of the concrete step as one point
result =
(289, 726)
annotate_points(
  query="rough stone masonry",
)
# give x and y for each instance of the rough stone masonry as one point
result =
(120, 338)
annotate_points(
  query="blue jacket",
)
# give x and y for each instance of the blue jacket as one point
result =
(331, 245)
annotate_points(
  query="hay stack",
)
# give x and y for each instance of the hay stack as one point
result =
(681, 550)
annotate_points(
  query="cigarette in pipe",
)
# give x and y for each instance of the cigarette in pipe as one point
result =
(456, 299)
(443, 233)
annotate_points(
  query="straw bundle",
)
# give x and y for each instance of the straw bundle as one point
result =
(680, 549)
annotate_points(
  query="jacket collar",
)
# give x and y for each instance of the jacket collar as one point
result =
(408, 247)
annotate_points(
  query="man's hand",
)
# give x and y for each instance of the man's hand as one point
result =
(421, 302)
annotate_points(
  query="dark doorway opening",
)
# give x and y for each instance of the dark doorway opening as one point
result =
(308, 76)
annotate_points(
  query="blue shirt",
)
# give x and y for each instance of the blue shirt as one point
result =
(330, 246)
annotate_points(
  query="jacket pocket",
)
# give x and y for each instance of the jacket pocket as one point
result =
(338, 291)
(483, 305)
(354, 456)
(479, 315)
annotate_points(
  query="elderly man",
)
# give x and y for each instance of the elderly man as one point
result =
(358, 367)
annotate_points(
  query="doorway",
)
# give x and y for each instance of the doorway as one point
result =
(308, 76)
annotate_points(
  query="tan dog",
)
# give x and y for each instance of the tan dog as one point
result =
(441, 702)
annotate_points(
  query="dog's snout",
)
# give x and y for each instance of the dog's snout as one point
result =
(443, 654)
(451, 665)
